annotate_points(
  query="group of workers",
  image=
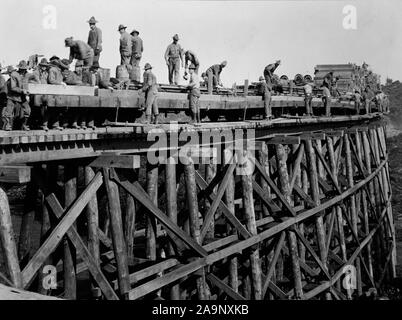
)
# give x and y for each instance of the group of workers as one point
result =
(15, 99)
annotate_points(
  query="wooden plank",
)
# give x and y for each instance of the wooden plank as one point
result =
(284, 140)
(116, 161)
(59, 231)
(51, 89)
(15, 174)
(83, 251)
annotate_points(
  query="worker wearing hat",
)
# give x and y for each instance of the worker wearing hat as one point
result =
(214, 71)
(308, 97)
(41, 74)
(357, 98)
(265, 92)
(17, 108)
(326, 92)
(95, 40)
(269, 73)
(80, 51)
(173, 56)
(137, 49)
(126, 46)
(194, 94)
(190, 58)
(150, 88)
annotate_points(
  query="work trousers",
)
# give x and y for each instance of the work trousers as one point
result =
(194, 103)
(267, 104)
(151, 103)
(214, 78)
(308, 99)
(367, 106)
(358, 105)
(96, 60)
(14, 110)
(174, 70)
(125, 59)
(135, 74)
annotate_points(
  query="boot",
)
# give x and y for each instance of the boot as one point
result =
(56, 126)
(193, 118)
(44, 126)
(91, 124)
(156, 120)
(7, 124)
(75, 125)
(24, 126)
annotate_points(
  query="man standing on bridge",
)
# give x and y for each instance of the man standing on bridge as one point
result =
(326, 92)
(137, 49)
(265, 91)
(190, 58)
(150, 88)
(269, 73)
(95, 40)
(126, 47)
(173, 56)
(80, 51)
(194, 95)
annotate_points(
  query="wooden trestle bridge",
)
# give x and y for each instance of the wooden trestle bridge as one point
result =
(297, 205)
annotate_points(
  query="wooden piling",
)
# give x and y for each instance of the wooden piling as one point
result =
(8, 241)
(171, 205)
(116, 224)
(248, 206)
(152, 190)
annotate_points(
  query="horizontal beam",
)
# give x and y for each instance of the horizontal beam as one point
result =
(15, 174)
(116, 161)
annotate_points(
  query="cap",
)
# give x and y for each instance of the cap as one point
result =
(92, 20)
(122, 26)
(134, 31)
(261, 78)
(176, 37)
(147, 66)
(54, 58)
(224, 63)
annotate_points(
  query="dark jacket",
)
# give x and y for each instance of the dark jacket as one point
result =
(150, 83)
(80, 51)
(126, 46)
(15, 87)
(138, 46)
(55, 75)
(216, 70)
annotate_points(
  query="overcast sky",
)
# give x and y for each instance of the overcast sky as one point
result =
(248, 34)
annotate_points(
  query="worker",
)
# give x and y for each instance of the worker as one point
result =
(308, 98)
(269, 73)
(137, 49)
(173, 56)
(326, 92)
(265, 91)
(194, 94)
(80, 51)
(368, 96)
(41, 73)
(3, 90)
(126, 46)
(214, 71)
(17, 107)
(69, 77)
(357, 98)
(190, 58)
(204, 78)
(150, 88)
(95, 41)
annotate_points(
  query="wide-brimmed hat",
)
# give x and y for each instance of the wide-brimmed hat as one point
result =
(8, 70)
(135, 31)
(192, 66)
(176, 37)
(92, 20)
(121, 26)
(147, 66)
(44, 62)
(23, 65)
(224, 63)
(64, 64)
(261, 78)
(278, 61)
